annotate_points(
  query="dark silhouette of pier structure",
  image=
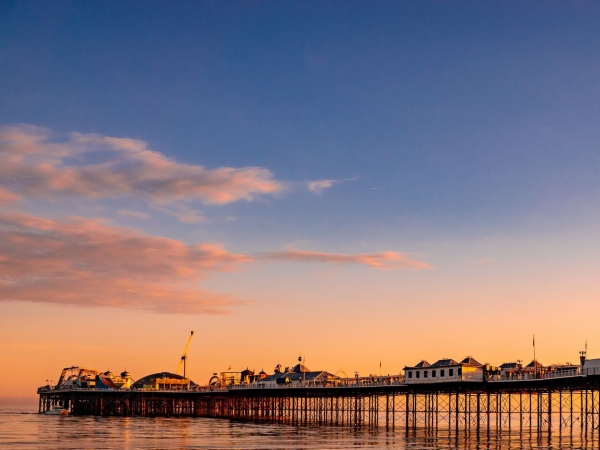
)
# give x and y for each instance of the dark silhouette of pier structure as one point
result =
(568, 403)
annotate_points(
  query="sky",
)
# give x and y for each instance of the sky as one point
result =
(365, 184)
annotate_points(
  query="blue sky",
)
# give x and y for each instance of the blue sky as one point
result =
(462, 135)
(459, 115)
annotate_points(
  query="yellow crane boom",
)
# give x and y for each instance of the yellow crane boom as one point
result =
(184, 356)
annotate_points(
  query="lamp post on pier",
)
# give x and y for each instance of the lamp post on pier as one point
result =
(302, 361)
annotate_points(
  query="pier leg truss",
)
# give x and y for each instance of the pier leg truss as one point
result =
(552, 410)
(533, 411)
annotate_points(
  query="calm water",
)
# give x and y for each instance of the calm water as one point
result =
(23, 428)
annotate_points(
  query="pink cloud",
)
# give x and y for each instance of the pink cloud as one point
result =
(32, 164)
(85, 262)
(7, 196)
(136, 214)
(383, 260)
(320, 185)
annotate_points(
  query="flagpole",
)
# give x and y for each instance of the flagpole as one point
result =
(534, 360)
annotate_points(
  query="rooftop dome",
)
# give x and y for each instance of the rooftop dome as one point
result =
(149, 379)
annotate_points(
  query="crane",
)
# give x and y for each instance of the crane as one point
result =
(184, 356)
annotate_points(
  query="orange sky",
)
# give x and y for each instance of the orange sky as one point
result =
(357, 182)
(349, 321)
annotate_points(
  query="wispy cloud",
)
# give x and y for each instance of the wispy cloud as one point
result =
(86, 262)
(32, 163)
(183, 213)
(483, 261)
(136, 214)
(383, 260)
(35, 162)
(319, 186)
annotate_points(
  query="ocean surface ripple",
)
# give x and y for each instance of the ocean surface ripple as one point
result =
(23, 428)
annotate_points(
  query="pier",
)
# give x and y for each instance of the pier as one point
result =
(550, 403)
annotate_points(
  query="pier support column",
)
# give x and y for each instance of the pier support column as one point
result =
(549, 411)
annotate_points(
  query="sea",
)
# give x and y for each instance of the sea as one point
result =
(21, 427)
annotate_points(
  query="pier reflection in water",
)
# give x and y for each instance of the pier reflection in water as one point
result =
(497, 439)
(42, 432)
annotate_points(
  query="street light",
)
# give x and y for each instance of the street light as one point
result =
(302, 360)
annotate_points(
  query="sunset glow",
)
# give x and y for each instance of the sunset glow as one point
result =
(367, 184)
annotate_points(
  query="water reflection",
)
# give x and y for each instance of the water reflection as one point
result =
(33, 431)
(499, 439)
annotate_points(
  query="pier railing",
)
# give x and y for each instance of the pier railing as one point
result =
(537, 376)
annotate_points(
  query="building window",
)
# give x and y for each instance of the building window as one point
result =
(459, 371)
(418, 374)
(442, 373)
(451, 372)
(410, 374)
(433, 374)
(424, 374)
